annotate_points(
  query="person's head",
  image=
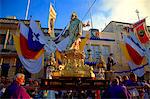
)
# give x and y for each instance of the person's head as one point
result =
(111, 54)
(133, 77)
(124, 78)
(36, 83)
(74, 16)
(20, 78)
(115, 81)
(119, 78)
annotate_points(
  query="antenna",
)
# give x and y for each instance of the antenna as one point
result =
(137, 12)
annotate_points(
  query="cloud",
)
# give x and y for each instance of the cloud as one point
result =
(119, 10)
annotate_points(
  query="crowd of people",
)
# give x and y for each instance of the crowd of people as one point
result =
(128, 88)
(120, 87)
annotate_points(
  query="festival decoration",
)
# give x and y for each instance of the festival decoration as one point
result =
(141, 31)
(32, 64)
(52, 17)
(134, 51)
(133, 47)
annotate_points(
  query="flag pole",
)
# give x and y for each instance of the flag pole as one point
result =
(27, 10)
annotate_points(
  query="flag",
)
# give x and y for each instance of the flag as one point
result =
(124, 51)
(136, 54)
(136, 41)
(33, 66)
(141, 31)
(133, 59)
(24, 47)
(139, 72)
(33, 41)
(31, 60)
(34, 35)
(52, 17)
(40, 39)
(148, 55)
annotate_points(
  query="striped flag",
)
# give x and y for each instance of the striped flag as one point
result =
(135, 52)
(51, 20)
(26, 51)
(31, 60)
(139, 72)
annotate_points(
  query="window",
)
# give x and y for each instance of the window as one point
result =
(105, 50)
(86, 52)
(2, 38)
(95, 52)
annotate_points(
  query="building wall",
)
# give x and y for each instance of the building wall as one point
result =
(109, 42)
(117, 28)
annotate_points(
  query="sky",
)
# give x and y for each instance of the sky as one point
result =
(101, 13)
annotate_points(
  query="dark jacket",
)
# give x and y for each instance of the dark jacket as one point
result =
(116, 92)
(15, 91)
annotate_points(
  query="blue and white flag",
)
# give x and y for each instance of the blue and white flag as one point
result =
(49, 45)
(139, 72)
(33, 41)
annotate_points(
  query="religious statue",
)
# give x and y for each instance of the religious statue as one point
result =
(75, 31)
(50, 66)
(101, 65)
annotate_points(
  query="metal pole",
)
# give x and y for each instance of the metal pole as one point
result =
(27, 10)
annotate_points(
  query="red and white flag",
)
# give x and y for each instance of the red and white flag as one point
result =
(141, 31)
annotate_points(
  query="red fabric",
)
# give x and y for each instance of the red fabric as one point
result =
(29, 54)
(144, 38)
(140, 26)
(135, 56)
(139, 22)
(98, 94)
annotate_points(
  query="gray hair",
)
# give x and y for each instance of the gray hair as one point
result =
(19, 75)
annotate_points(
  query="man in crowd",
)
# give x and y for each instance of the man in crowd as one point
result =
(115, 91)
(15, 90)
